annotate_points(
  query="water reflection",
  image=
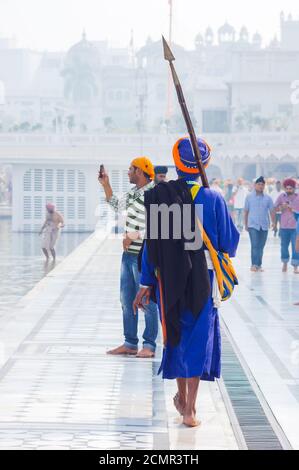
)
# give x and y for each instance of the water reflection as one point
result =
(22, 263)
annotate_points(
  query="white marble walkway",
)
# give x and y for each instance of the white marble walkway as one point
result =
(59, 390)
(264, 325)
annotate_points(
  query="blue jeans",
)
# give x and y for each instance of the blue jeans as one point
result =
(239, 218)
(129, 286)
(287, 236)
(258, 240)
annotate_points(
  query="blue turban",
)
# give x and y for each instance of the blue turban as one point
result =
(261, 179)
(184, 159)
(161, 170)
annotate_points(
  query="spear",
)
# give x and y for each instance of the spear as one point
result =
(168, 55)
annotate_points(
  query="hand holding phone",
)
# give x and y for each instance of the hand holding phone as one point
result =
(103, 177)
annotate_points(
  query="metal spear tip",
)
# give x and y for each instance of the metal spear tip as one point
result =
(168, 55)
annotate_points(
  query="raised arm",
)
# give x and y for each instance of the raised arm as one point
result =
(104, 181)
(117, 204)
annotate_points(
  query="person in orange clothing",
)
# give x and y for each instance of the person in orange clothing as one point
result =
(141, 174)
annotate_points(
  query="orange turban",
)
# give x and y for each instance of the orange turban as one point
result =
(144, 164)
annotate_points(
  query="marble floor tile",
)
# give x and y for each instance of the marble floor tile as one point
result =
(60, 390)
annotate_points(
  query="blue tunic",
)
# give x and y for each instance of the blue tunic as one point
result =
(198, 353)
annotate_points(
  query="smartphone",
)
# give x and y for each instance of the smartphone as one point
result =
(102, 169)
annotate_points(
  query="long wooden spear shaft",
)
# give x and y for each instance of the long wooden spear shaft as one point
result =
(168, 55)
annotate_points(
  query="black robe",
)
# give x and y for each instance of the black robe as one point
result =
(184, 273)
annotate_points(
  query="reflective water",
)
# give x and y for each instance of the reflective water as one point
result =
(22, 263)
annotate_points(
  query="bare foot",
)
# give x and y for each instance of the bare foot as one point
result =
(179, 405)
(145, 353)
(253, 269)
(122, 350)
(284, 267)
(190, 421)
(296, 270)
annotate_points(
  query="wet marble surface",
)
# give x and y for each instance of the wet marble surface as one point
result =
(22, 261)
(264, 324)
(59, 389)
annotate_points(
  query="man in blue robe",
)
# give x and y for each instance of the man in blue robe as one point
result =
(192, 342)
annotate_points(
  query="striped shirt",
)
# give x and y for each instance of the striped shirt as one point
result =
(133, 203)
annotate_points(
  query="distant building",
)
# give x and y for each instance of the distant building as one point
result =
(232, 84)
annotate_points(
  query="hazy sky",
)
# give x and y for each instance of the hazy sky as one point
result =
(57, 24)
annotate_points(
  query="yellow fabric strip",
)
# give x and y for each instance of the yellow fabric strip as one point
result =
(213, 253)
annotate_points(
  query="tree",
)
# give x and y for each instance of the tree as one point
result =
(70, 122)
(37, 127)
(108, 123)
(80, 82)
(25, 126)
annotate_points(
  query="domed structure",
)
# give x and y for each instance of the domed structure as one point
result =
(209, 36)
(149, 41)
(84, 52)
(244, 35)
(274, 44)
(81, 71)
(199, 41)
(257, 40)
(82, 84)
(226, 33)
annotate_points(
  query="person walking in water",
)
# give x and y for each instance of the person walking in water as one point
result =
(50, 230)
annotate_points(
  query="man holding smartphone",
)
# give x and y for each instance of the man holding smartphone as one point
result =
(288, 203)
(141, 174)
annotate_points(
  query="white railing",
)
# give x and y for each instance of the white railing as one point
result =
(92, 140)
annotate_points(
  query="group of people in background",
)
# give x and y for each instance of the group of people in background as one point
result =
(261, 205)
(255, 206)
